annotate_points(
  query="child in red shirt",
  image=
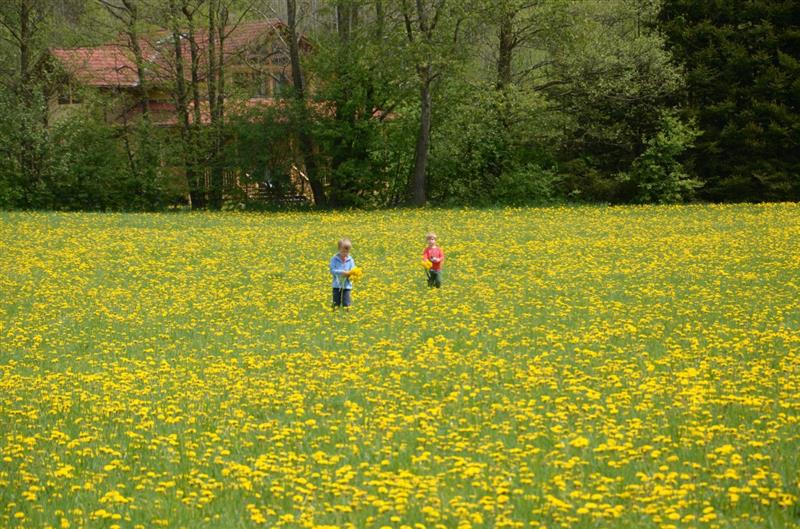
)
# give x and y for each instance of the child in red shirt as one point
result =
(435, 255)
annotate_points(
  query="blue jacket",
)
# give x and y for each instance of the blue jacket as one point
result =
(338, 267)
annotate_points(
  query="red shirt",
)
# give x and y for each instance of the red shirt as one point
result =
(434, 252)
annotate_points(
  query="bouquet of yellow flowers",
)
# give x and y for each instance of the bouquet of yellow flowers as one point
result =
(427, 264)
(355, 274)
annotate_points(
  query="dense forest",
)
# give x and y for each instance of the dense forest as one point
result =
(209, 104)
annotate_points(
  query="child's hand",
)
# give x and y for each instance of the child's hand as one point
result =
(346, 274)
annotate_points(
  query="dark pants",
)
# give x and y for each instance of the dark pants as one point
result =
(434, 278)
(341, 297)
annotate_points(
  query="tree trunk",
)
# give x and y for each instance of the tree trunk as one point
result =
(197, 116)
(294, 52)
(506, 49)
(27, 153)
(222, 22)
(196, 191)
(306, 142)
(24, 47)
(213, 106)
(379, 19)
(418, 180)
(218, 115)
(426, 23)
(142, 156)
(138, 57)
(126, 133)
(194, 53)
(505, 57)
(346, 20)
(212, 60)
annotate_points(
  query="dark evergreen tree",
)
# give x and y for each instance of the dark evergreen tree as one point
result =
(743, 82)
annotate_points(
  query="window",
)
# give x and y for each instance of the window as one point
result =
(260, 85)
(242, 80)
(252, 84)
(281, 85)
(68, 95)
(280, 59)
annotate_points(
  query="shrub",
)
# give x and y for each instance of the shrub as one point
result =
(658, 173)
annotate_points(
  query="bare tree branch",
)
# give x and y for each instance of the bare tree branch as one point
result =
(8, 25)
(241, 17)
(114, 10)
(407, 21)
(437, 13)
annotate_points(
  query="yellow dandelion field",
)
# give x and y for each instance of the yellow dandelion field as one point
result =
(587, 367)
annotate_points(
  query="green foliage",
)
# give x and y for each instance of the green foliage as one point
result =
(12, 186)
(26, 148)
(88, 165)
(478, 154)
(575, 110)
(91, 169)
(257, 148)
(393, 153)
(658, 174)
(743, 90)
(77, 161)
(362, 83)
(612, 81)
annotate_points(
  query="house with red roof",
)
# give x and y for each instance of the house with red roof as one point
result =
(256, 60)
(256, 64)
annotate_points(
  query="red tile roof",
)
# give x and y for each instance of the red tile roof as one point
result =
(112, 65)
(109, 65)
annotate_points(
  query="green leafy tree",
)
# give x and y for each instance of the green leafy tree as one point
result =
(360, 82)
(492, 146)
(496, 143)
(249, 133)
(612, 81)
(434, 31)
(24, 26)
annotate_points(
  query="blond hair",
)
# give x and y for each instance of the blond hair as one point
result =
(429, 235)
(344, 242)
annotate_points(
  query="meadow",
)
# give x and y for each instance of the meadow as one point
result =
(586, 367)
